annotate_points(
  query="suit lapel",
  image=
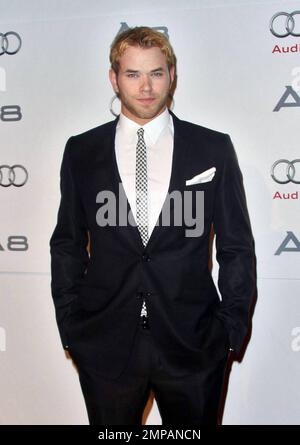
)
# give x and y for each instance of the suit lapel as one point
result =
(176, 179)
(130, 231)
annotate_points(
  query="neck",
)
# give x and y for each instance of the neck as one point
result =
(139, 120)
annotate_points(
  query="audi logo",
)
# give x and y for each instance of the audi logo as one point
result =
(10, 43)
(289, 26)
(290, 171)
(16, 175)
(162, 29)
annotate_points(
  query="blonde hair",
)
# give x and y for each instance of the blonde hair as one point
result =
(144, 37)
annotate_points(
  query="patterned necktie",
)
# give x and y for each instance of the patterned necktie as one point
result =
(141, 186)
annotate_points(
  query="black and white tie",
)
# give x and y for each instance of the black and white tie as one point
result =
(141, 187)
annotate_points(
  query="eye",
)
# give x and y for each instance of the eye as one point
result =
(157, 74)
(132, 75)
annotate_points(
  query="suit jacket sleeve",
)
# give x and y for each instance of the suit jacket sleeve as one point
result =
(68, 245)
(235, 249)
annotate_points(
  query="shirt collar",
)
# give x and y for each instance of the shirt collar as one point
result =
(152, 129)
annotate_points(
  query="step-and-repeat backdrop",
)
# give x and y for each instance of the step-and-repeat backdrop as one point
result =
(238, 72)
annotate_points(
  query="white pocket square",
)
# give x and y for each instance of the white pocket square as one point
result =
(205, 176)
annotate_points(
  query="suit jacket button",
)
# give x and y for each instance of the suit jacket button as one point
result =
(148, 294)
(146, 257)
(139, 295)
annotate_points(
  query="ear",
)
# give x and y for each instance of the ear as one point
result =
(113, 80)
(172, 74)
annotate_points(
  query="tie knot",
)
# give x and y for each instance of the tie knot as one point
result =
(140, 132)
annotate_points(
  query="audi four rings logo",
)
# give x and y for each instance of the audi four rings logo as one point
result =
(16, 175)
(10, 43)
(290, 171)
(289, 27)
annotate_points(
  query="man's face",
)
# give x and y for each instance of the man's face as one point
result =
(143, 83)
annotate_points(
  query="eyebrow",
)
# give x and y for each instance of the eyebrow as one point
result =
(160, 68)
(152, 71)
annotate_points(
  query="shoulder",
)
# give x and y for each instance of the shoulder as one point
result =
(203, 138)
(194, 130)
(82, 145)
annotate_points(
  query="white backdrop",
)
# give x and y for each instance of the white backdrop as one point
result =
(232, 72)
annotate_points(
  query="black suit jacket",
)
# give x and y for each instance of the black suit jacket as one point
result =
(98, 291)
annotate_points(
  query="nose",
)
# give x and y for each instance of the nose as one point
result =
(146, 83)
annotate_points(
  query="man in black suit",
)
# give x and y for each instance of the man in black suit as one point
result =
(135, 302)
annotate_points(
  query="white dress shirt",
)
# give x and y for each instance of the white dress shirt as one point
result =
(159, 140)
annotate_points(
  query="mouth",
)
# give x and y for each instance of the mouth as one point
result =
(147, 100)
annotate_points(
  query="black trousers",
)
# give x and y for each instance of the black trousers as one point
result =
(191, 399)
